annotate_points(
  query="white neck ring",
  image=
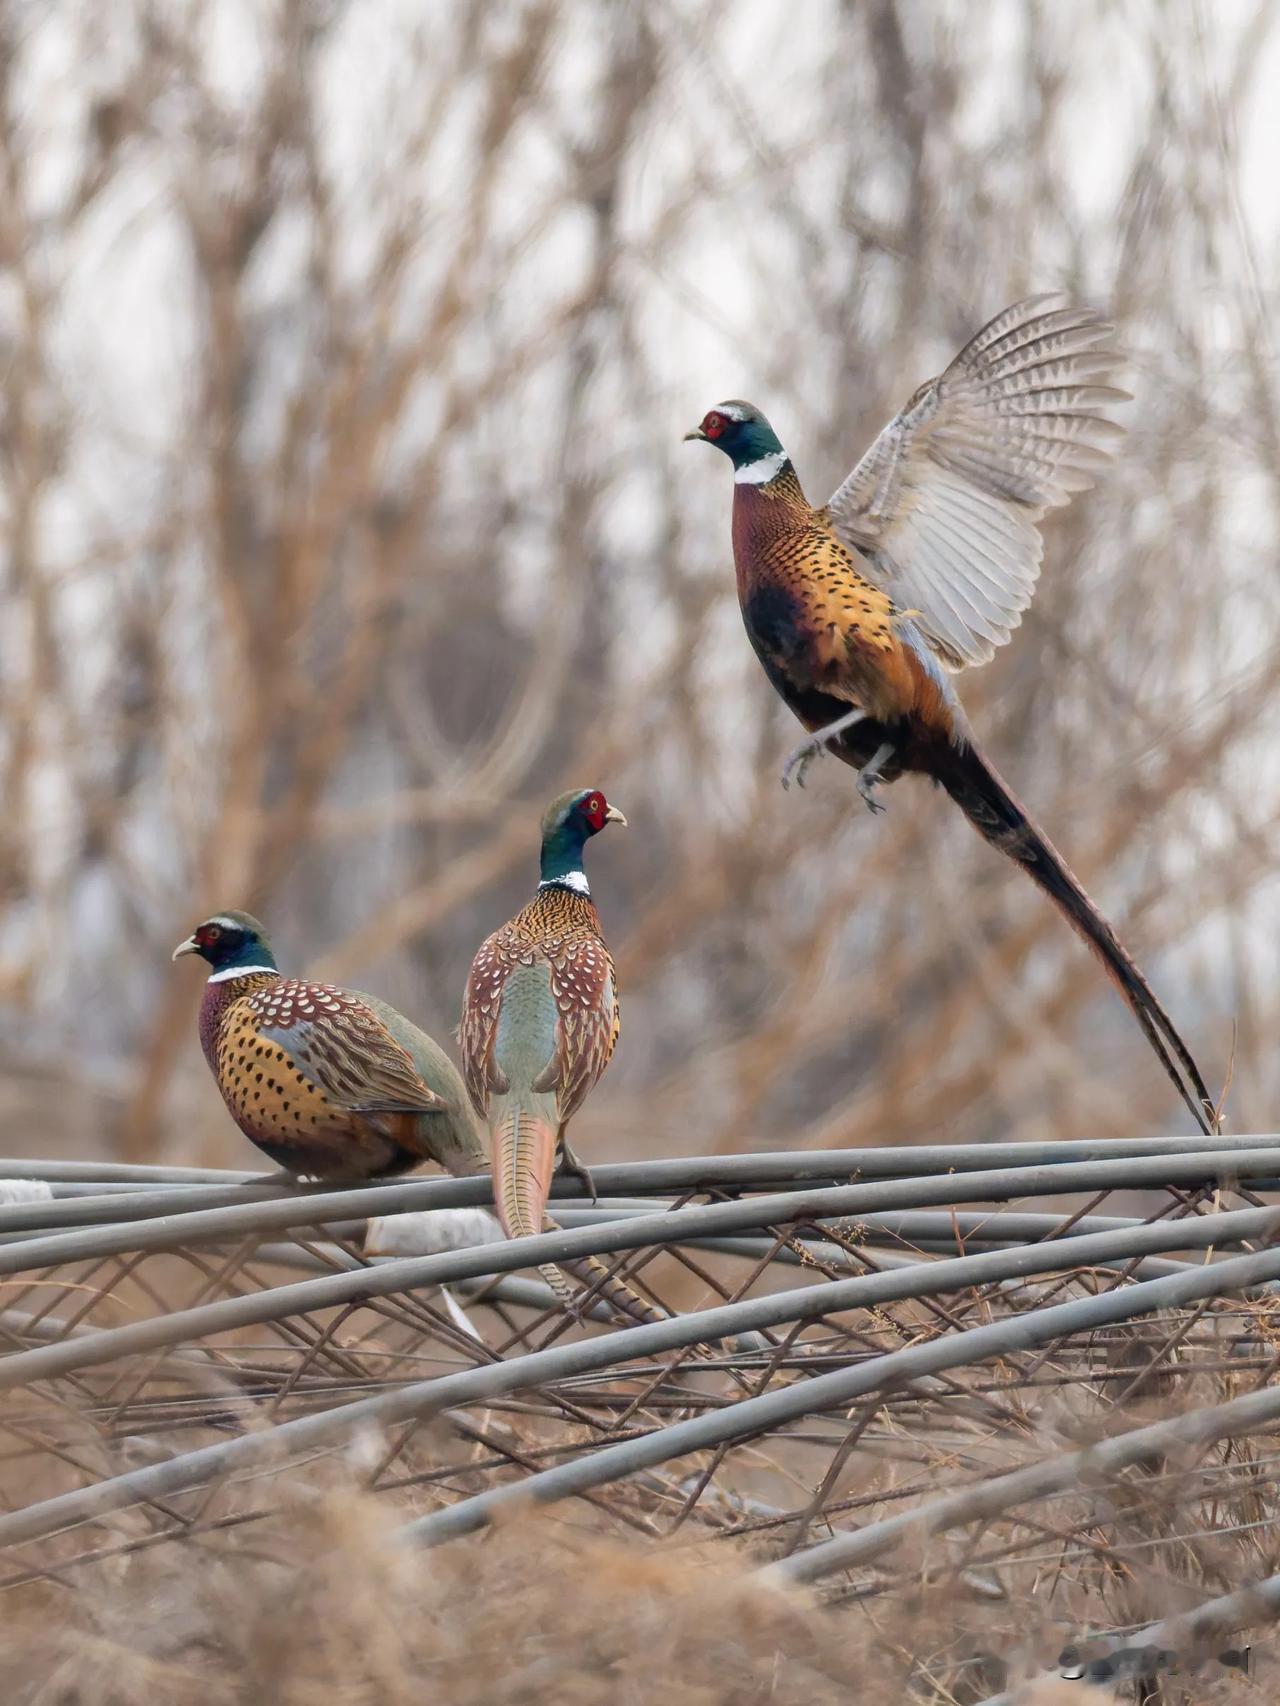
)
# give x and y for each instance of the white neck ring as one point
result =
(761, 471)
(575, 880)
(229, 972)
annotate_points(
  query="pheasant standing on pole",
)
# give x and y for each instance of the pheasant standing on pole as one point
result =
(540, 1017)
(923, 562)
(327, 1082)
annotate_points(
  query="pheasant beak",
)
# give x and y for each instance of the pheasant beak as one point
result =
(187, 947)
(613, 815)
(696, 433)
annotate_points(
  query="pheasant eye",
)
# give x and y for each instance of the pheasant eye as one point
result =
(714, 425)
(209, 933)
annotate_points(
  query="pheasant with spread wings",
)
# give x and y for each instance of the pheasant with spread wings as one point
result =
(923, 562)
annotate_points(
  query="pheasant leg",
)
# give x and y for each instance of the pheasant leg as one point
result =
(569, 1163)
(802, 756)
(869, 775)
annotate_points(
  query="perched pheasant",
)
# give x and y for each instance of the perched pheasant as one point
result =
(923, 562)
(540, 1017)
(329, 1083)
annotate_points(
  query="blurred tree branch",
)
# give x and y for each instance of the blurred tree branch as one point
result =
(346, 519)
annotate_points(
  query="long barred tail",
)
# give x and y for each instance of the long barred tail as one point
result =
(635, 1310)
(625, 1301)
(524, 1158)
(994, 811)
(524, 1155)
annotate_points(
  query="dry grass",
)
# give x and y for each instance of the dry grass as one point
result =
(345, 365)
(286, 1569)
(322, 1603)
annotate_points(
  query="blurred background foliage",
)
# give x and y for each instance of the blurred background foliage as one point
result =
(346, 353)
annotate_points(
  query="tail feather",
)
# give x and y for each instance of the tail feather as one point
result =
(524, 1158)
(624, 1299)
(524, 1154)
(997, 815)
(635, 1310)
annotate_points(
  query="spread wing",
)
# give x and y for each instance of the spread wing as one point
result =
(587, 1020)
(478, 1029)
(944, 505)
(341, 1046)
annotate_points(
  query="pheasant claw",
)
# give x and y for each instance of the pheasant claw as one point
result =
(802, 756)
(869, 776)
(798, 762)
(569, 1163)
(866, 790)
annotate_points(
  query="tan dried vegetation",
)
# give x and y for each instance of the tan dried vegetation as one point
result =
(345, 367)
(321, 1603)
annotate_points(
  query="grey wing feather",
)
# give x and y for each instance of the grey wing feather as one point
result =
(452, 1135)
(355, 1061)
(432, 1063)
(945, 504)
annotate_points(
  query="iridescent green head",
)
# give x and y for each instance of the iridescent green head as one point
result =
(568, 824)
(232, 943)
(747, 439)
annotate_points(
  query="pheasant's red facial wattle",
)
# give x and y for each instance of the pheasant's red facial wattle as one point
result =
(207, 935)
(594, 809)
(715, 425)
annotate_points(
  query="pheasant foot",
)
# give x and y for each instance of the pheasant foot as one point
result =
(869, 775)
(802, 756)
(569, 1163)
